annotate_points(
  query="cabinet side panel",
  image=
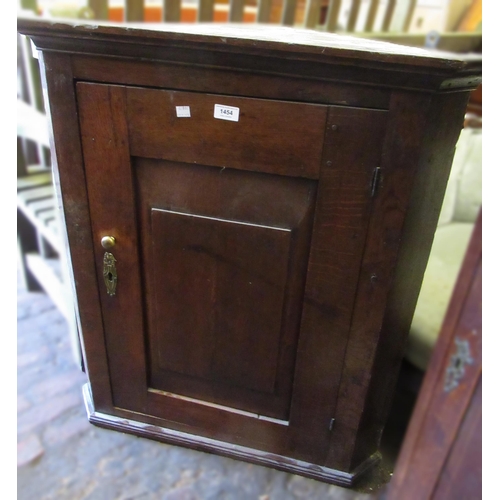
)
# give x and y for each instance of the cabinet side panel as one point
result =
(446, 117)
(69, 180)
(419, 151)
(401, 147)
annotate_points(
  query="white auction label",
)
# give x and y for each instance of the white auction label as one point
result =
(183, 111)
(226, 113)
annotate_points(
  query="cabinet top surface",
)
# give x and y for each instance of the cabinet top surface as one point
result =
(253, 39)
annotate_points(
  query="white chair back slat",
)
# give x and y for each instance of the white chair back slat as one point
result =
(372, 15)
(409, 15)
(311, 16)
(391, 7)
(288, 12)
(236, 8)
(264, 11)
(353, 15)
(171, 11)
(205, 11)
(332, 15)
(32, 124)
(100, 9)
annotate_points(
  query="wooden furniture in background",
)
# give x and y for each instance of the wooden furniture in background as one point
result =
(442, 451)
(36, 223)
(287, 12)
(266, 211)
(472, 19)
(390, 20)
(40, 245)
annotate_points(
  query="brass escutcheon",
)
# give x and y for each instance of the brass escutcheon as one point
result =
(109, 273)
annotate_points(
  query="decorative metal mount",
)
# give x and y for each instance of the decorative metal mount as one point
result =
(456, 367)
(109, 273)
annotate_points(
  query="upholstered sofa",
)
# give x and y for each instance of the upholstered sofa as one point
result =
(460, 209)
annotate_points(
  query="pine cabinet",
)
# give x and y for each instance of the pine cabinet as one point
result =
(248, 222)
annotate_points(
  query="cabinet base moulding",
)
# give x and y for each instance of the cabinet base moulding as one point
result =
(198, 443)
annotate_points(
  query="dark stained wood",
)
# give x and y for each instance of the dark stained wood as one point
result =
(180, 77)
(68, 171)
(441, 452)
(151, 428)
(276, 64)
(326, 201)
(112, 211)
(406, 229)
(340, 226)
(219, 334)
(208, 279)
(157, 132)
(401, 151)
(211, 44)
(422, 213)
(461, 475)
(352, 153)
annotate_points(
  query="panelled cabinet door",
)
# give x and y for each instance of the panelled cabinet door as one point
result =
(235, 230)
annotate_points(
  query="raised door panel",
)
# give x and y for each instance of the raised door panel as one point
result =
(225, 259)
(237, 273)
(211, 274)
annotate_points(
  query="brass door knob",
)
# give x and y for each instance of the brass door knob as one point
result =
(108, 242)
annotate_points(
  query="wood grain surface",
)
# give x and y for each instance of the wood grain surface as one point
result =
(441, 453)
(268, 266)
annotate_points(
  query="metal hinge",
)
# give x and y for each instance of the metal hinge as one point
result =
(332, 421)
(375, 181)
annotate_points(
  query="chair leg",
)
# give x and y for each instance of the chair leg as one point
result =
(27, 241)
(45, 249)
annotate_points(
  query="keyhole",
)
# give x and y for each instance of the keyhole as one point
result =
(110, 277)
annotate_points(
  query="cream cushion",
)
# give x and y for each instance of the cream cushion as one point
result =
(458, 214)
(448, 250)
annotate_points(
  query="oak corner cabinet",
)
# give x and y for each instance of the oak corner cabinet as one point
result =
(249, 212)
